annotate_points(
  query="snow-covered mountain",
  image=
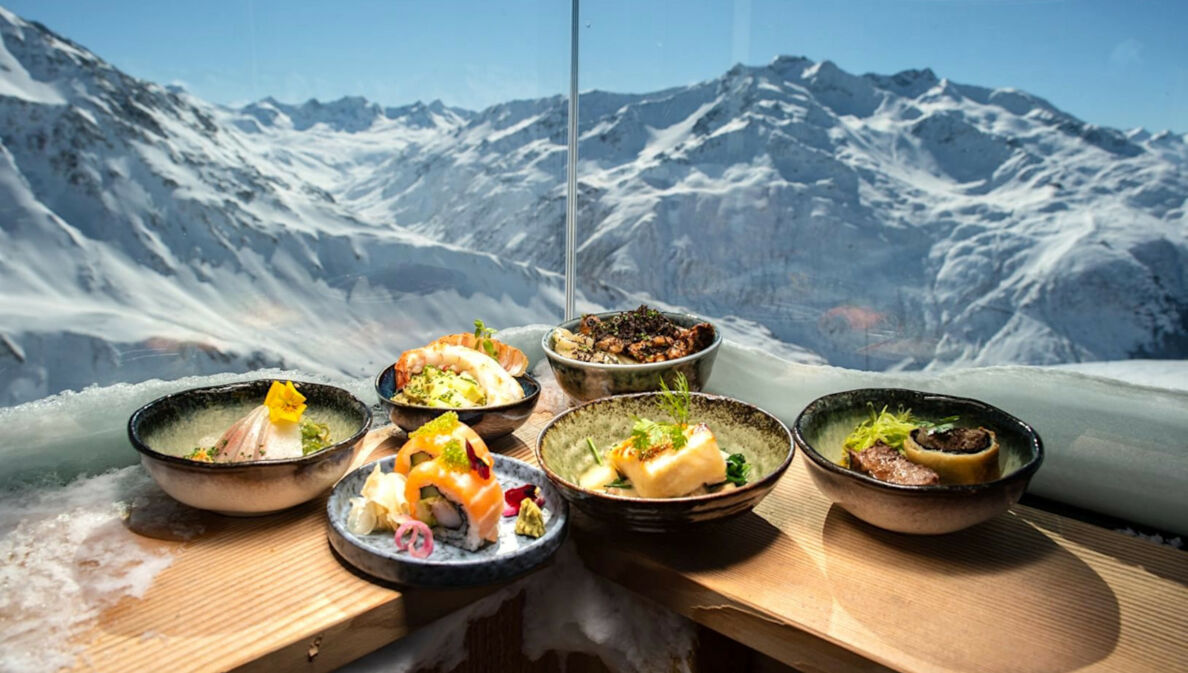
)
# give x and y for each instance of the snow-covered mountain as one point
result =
(876, 221)
(881, 221)
(142, 235)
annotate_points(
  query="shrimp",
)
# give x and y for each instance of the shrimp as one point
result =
(511, 358)
(499, 385)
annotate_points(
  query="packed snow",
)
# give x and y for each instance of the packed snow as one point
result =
(67, 556)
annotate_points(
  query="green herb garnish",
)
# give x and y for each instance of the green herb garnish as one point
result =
(594, 450)
(441, 425)
(890, 429)
(314, 437)
(619, 483)
(200, 454)
(482, 336)
(737, 469)
(454, 456)
(650, 437)
(676, 402)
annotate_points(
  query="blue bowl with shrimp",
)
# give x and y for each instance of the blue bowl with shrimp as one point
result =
(490, 422)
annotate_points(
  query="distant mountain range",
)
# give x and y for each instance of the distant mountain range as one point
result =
(868, 221)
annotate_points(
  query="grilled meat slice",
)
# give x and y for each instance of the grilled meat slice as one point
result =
(886, 464)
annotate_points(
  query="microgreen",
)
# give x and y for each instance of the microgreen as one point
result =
(482, 336)
(676, 402)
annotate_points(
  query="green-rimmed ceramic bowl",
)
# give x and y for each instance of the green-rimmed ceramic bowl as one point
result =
(925, 510)
(246, 488)
(585, 381)
(564, 455)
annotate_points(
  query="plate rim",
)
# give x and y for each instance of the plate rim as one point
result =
(545, 546)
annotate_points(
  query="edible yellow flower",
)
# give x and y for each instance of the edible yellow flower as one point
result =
(284, 402)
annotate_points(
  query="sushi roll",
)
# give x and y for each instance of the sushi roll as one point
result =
(430, 440)
(458, 495)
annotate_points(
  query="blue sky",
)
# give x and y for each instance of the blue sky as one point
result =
(1117, 63)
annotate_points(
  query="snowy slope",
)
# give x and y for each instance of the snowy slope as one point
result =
(883, 221)
(897, 221)
(140, 236)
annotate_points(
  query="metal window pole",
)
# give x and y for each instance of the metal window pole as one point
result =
(571, 188)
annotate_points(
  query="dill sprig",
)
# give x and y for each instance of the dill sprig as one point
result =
(676, 402)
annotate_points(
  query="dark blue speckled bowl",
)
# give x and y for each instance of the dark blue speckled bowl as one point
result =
(448, 566)
(490, 422)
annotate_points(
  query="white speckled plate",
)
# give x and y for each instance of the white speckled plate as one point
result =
(448, 566)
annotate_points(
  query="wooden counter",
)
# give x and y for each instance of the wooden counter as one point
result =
(798, 580)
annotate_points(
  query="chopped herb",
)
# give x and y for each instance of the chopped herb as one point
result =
(737, 469)
(314, 437)
(200, 454)
(454, 456)
(650, 437)
(619, 483)
(676, 402)
(441, 425)
(594, 450)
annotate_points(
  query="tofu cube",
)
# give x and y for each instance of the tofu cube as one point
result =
(671, 473)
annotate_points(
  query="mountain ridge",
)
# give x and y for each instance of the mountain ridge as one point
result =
(878, 221)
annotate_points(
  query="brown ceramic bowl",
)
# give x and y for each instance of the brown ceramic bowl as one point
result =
(923, 510)
(563, 454)
(248, 488)
(585, 381)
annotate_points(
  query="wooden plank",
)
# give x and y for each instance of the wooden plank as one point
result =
(806, 583)
(798, 580)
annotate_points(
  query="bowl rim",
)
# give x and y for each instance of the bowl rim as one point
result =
(490, 407)
(760, 485)
(147, 451)
(552, 355)
(1024, 471)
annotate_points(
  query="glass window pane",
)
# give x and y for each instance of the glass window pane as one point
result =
(895, 185)
(211, 187)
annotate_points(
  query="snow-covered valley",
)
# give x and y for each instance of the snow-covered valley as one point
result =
(868, 221)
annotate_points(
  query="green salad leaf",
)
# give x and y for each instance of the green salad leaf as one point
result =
(737, 469)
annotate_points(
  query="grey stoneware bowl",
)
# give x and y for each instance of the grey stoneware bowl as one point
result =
(491, 422)
(562, 452)
(923, 510)
(249, 488)
(584, 381)
(375, 554)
